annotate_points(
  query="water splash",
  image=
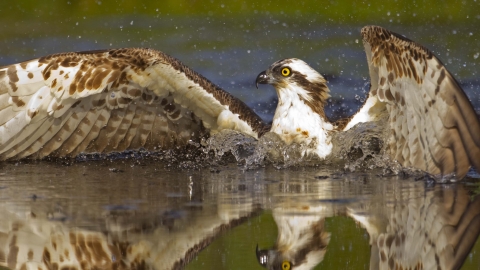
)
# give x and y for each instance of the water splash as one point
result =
(358, 149)
(228, 141)
(251, 153)
(361, 148)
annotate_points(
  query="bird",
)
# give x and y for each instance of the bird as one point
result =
(114, 100)
(432, 126)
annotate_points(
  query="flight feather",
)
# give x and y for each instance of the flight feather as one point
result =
(112, 100)
(433, 125)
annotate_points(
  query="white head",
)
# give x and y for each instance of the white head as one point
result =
(300, 116)
(294, 75)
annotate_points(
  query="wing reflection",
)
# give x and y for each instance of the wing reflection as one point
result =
(410, 226)
(433, 230)
(127, 241)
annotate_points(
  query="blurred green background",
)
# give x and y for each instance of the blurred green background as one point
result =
(342, 11)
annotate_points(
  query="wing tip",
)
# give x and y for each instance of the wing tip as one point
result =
(374, 35)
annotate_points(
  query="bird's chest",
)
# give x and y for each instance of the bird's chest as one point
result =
(296, 122)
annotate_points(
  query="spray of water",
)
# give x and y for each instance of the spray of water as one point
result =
(359, 149)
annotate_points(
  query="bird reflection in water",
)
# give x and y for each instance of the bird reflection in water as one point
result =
(302, 239)
(127, 240)
(416, 229)
(410, 225)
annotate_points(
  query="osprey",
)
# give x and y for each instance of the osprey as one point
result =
(433, 126)
(113, 100)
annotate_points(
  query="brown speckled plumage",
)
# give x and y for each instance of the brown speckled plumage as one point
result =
(433, 124)
(111, 100)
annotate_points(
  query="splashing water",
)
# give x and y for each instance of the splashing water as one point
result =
(360, 148)
(364, 147)
(229, 141)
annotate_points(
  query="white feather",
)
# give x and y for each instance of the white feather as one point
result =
(365, 114)
(295, 122)
(13, 127)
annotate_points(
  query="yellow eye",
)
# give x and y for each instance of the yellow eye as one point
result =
(285, 73)
(286, 265)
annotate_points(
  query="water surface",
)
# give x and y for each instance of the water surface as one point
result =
(170, 215)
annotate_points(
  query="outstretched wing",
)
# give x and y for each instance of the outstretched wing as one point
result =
(433, 124)
(102, 101)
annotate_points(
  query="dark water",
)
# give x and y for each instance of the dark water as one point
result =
(148, 213)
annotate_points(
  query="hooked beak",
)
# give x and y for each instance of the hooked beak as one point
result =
(262, 78)
(262, 255)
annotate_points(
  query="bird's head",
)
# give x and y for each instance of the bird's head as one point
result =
(301, 244)
(291, 258)
(294, 76)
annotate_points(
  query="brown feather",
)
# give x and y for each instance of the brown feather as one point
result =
(438, 114)
(111, 100)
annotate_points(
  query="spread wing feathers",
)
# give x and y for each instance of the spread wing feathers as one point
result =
(433, 124)
(102, 101)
